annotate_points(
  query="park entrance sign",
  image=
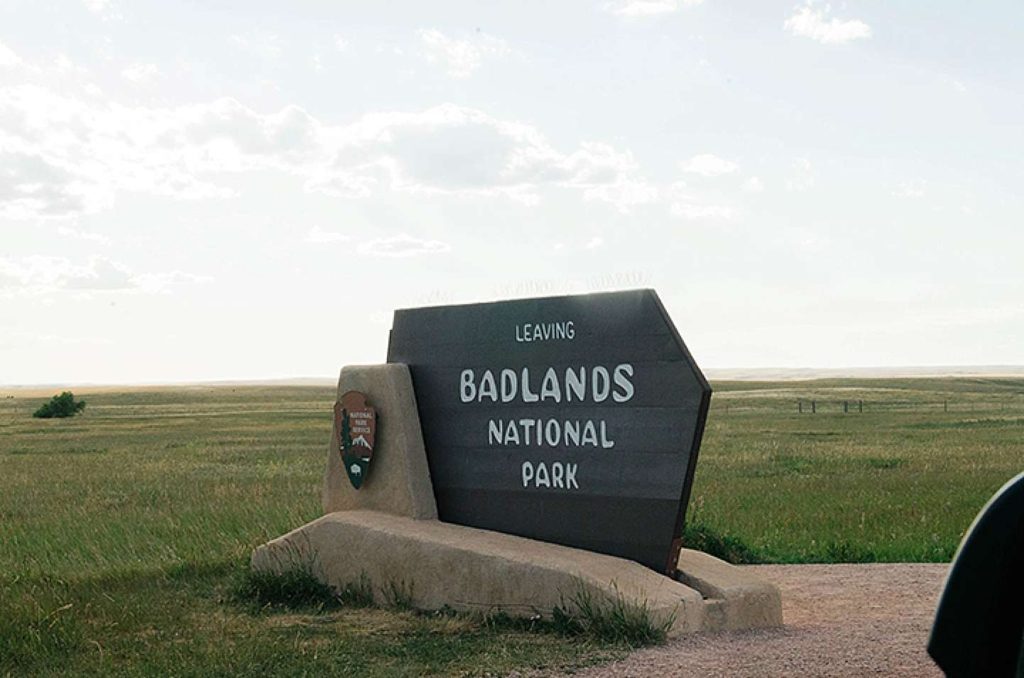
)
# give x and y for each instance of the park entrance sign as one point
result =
(571, 421)
(574, 420)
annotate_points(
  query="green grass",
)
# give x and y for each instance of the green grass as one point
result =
(125, 532)
(125, 535)
(613, 620)
(899, 482)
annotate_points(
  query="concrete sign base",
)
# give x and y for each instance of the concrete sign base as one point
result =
(386, 535)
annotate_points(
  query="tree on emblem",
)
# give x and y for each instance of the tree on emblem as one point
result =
(346, 433)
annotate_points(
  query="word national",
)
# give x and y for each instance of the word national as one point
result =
(550, 432)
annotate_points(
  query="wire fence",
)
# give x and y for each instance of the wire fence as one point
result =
(853, 407)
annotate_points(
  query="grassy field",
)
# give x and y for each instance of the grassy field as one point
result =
(898, 482)
(123, 530)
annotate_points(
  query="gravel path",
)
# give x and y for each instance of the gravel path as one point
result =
(840, 620)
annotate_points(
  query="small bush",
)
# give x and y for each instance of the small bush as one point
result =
(397, 594)
(885, 462)
(358, 593)
(298, 588)
(614, 620)
(63, 405)
(845, 552)
(724, 546)
(291, 589)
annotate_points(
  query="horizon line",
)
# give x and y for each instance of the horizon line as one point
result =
(715, 373)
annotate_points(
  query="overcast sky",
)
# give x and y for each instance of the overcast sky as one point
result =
(219, 190)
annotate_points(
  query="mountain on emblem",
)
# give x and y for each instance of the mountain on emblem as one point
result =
(355, 429)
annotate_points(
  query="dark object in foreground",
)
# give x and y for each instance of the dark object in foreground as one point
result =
(63, 405)
(979, 626)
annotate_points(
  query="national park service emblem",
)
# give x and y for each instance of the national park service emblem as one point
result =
(355, 424)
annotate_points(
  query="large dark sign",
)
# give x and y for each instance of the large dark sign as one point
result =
(575, 420)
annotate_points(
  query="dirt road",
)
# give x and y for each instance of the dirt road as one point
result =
(840, 620)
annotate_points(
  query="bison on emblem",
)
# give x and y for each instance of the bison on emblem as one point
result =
(355, 427)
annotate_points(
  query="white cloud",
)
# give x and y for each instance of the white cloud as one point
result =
(454, 150)
(687, 210)
(811, 22)
(38, 274)
(624, 193)
(11, 338)
(709, 165)
(63, 65)
(607, 175)
(62, 155)
(319, 235)
(684, 205)
(103, 8)
(34, 272)
(37, 186)
(753, 185)
(100, 274)
(597, 164)
(641, 8)
(140, 73)
(163, 283)
(77, 234)
(460, 58)
(802, 177)
(97, 6)
(260, 44)
(911, 189)
(402, 246)
(340, 43)
(594, 243)
(8, 57)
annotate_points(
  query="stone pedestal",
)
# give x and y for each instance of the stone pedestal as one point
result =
(399, 480)
(387, 534)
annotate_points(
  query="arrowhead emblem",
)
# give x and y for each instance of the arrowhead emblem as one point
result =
(355, 428)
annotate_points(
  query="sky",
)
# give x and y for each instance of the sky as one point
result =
(248, 190)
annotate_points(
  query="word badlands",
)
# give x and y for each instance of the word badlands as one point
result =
(594, 385)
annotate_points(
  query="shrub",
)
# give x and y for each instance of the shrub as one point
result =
(612, 619)
(63, 405)
(727, 547)
(291, 589)
(397, 595)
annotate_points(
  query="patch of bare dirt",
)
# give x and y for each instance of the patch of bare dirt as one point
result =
(840, 620)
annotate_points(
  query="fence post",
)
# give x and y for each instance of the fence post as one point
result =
(800, 406)
(860, 406)
(846, 406)
(814, 407)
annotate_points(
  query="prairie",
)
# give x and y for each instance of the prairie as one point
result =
(122, 531)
